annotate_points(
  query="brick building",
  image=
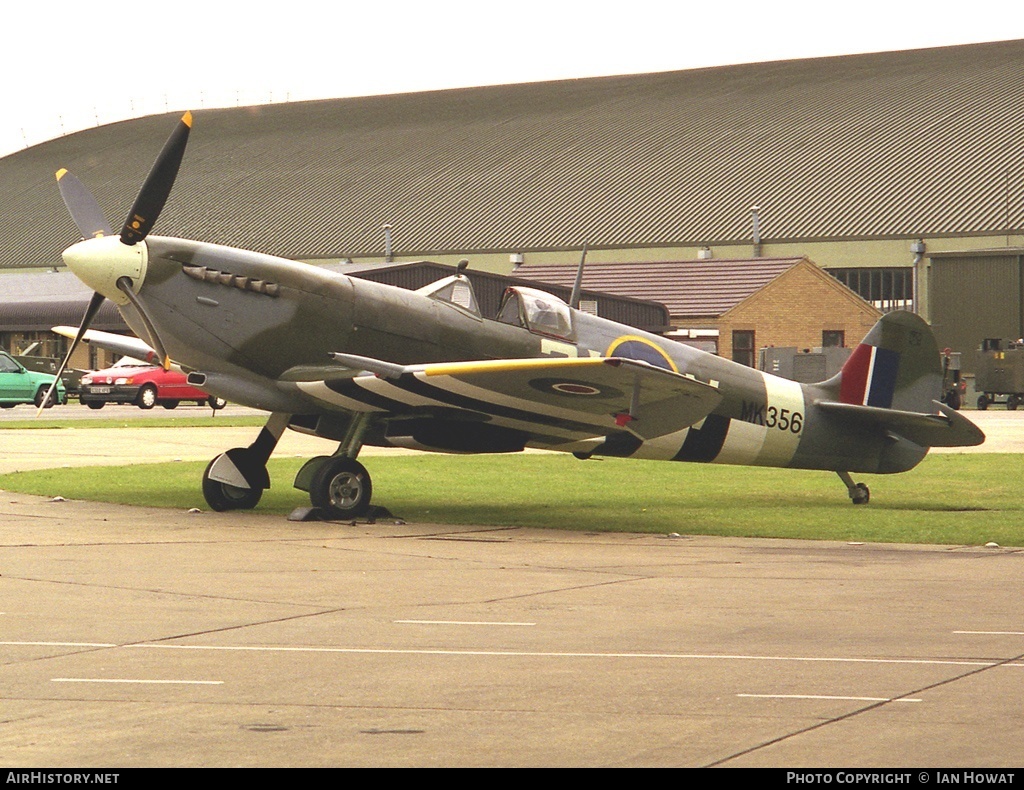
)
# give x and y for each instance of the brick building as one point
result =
(735, 307)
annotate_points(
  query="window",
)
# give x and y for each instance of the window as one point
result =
(456, 291)
(833, 338)
(743, 347)
(509, 311)
(887, 289)
(540, 312)
(8, 365)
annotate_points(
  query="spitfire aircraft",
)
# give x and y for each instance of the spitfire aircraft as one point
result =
(362, 363)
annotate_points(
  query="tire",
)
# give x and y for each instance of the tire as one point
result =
(223, 497)
(41, 395)
(982, 403)
(169, 404)
(146, 398)
(1012, 402)
(341, 488)
(95, 404)
(215, 403)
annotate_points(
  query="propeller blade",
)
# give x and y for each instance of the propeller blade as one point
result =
(82, 206)
(124, 285)
(90, 313)
(155, 190)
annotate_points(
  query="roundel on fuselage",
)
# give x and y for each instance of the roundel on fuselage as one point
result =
(642, 349)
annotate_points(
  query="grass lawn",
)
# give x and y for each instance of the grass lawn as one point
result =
(948, 499)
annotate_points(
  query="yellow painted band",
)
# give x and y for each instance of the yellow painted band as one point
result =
(501, 365)
(637, 339)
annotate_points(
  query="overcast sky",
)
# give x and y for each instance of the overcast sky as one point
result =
(70, 65)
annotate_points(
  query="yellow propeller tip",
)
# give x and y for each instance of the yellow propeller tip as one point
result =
(61, 173)
(187, 118)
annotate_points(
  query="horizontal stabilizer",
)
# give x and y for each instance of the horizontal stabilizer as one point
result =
(947, 428)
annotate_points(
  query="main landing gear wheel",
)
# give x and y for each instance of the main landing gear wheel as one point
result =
(341, 488)
(221, 496)
(237, 478)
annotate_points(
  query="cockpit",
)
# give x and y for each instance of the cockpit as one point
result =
(537, 311)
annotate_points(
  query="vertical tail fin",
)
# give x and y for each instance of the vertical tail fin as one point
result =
(896, 366)
(892, 383)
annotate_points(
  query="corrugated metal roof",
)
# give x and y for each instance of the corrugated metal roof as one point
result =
(923, 142)
(690, 289)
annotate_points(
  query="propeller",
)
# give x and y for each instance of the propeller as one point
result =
(82, 206)
(157, 186)
(89, 218)
(90, 313)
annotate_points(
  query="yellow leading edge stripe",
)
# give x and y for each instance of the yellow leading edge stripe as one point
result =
(501, 365)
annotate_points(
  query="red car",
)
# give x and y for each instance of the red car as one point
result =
(145, 385)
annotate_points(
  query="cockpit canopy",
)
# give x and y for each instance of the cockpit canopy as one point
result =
(456, 291)
(538, 311)
(535, 310)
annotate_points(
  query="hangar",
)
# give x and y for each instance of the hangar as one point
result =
(873, 166)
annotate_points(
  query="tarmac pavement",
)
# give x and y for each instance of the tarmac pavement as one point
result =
(145, 637)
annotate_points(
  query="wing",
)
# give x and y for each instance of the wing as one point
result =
(551, 401)
(119, 344)
(946, 428)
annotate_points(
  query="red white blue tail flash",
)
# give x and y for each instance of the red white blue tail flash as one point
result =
(869, 376)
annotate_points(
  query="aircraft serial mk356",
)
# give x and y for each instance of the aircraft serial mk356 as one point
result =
(361, 363)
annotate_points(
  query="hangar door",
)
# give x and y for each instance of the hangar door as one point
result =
(976, 295)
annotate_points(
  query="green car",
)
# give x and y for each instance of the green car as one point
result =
(18, 385)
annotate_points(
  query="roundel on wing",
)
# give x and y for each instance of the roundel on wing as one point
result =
(574, 389)
(643, 350)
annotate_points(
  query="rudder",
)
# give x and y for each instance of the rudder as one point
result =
(896, 366)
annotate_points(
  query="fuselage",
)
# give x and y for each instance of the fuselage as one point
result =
(257, 327)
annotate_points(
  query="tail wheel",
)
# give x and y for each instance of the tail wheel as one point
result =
(341, 488)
